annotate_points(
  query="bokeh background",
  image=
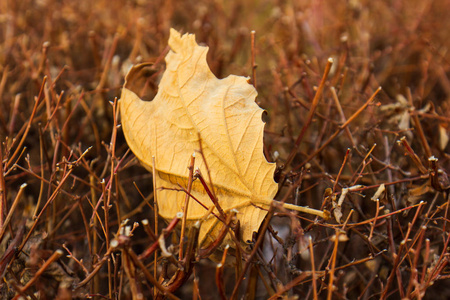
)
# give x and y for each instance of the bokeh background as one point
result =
(85, 48)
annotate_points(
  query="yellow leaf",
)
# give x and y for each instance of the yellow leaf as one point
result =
(192, 105)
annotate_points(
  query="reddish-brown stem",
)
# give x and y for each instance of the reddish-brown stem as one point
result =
(149, 276)
(426, 261)
(249, 261)
(107, 65)
(51, 198)
(313, 269)
(342, 127)
(254, 65)
(186, 204)
(333, 266)
(418, 127)
(46, 205)
(365, 162)
(206, 252)
(3, 205)
(398, 258)
(155, 211)
(314, 104)
(97, 268)
(198, 174)
(414, 278)
(30, 121)
(372, 227)
(340, 170)
(41, 270)
(413, 155)
(219, 275)
(149, 251)
(262, 232)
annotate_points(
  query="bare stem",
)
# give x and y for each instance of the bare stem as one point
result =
(314, 104)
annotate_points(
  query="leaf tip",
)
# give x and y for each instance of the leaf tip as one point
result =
(178, 42)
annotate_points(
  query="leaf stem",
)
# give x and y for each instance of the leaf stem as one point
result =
(323, 214)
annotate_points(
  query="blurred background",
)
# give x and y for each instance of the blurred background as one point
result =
(85, 48)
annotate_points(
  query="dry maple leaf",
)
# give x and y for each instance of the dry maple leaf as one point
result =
(193, 105)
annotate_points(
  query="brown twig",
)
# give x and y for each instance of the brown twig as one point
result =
(333, 266)
(186, 204)
(149, 276)
(41, 270)
(30, 121)
(314, 104)
(342, 127)
(313, 269)
(258, 242)
(219, 274)
(11, 211)
(254, 65)
(413, 155)
(418, 127)
(213, 198)
(340, 170)
(397, 258)
(166, 231)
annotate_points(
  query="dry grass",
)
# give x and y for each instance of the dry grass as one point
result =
(69, 181)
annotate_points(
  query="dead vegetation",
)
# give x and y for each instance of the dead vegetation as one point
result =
(74, 199)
